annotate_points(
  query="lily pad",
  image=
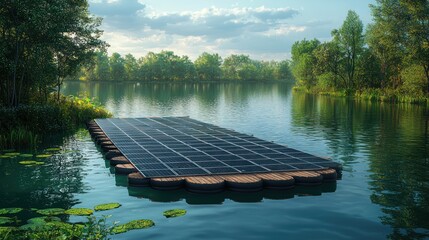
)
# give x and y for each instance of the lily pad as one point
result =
(4, 156)
(26, 155)
(79, 211)
(43, 155)
(10, 210)
(51, 211)
(55, 149)
(5, 220)
(106, 206)
(174, 213)
(12, 154)
(29, 162)
(135, 224)
(45, 219)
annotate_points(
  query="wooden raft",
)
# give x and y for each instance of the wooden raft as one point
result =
(212, 183)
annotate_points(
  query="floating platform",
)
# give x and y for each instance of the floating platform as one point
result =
(175, 152)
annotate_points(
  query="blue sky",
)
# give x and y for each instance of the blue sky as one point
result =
(263, 30)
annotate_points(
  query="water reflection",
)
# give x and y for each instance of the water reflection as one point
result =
(219, 198)
(393, 142)
(50, 185)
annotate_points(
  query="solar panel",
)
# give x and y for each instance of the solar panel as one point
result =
(181, 146)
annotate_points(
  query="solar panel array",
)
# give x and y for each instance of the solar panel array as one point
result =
(181, 146)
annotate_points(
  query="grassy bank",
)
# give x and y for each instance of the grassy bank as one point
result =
(380, 95)
(22, 126)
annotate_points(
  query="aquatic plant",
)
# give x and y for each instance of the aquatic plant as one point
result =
(51, 211)
(10, 210)
(79, 211)
(174, 213)
(12, 154)
(54, 149)
(106, 206)
(31, 163)
(43, 155)
(44, 219)
(5, 220)
(4, 156)
(135, 224)
(26, 155)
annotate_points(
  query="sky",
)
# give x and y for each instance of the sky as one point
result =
(262, 29)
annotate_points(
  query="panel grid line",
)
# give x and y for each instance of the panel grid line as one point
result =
(181, 146)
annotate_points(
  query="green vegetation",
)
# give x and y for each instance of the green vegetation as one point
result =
(51, 211)
(24, 125)
(10, 210)
(31, 163)
(174, 213)
(106, 206)
(41, 43)
(390, 62)
(5, 220)
(79, 211)
(135, 224)
(166, 66)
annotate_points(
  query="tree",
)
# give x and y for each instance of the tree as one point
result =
(233, 65)
(350, 41)
(42, 42)
(208, 66)
(131, 67)
(117, 68)
(303, 62)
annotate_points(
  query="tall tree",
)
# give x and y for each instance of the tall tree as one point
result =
(208, 66)
(350, 40)
(54, 37)
(303, 62)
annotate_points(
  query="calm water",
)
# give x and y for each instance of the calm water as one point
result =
(384, 149)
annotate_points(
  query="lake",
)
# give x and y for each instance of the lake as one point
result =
(384, 150)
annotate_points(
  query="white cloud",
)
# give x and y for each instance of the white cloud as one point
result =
(132, 27)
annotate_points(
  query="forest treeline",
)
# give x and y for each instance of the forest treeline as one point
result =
(389, 59)
(167, 66)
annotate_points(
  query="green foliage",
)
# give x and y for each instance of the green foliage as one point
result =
(51, 211)
(31, 163)
(5, 220)
(23, 125)
(42, 42)
(174, 213)
(10, 210)
(79, 211)
(388, 63)
(166, 66)
(106, 206)
(135, 224)
(208, 66)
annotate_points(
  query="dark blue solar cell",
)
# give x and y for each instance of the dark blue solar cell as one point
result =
(201, 158)
(275, 155)
(173, 159)
(278, 167)
(238, 163)
(144, 160)
(305, 166)
(157, 173)
(252, 156)
(190, 171)
(329, 164)
(239, 151)
(264, 161)
(289, 160)
(263, 151)
(218, 170)
(251, 169)
(315, 159)
(153, 166)
(300, 154)
(227, 157)
(166, 154)
(211, 164)
(182, 165)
